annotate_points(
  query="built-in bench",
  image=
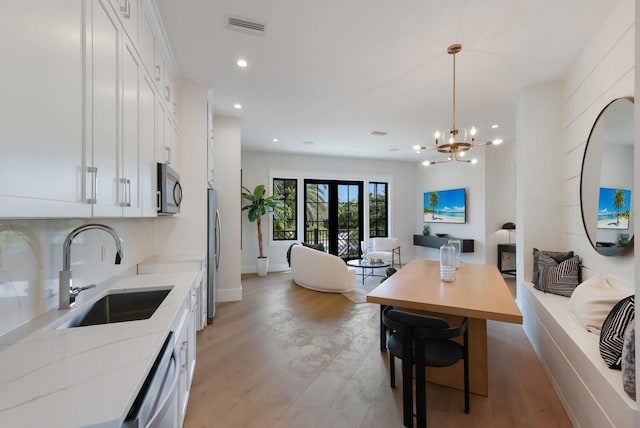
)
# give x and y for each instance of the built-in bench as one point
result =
(591, 393)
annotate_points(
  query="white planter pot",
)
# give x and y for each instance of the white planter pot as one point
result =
(262, 266)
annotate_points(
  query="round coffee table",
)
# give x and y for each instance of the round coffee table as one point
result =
(364, 265)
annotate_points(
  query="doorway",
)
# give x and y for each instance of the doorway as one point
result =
(333, 216)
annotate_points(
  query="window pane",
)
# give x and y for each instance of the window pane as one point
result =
(287, 227)
(378, 210)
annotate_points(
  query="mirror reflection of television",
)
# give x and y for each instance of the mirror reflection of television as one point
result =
(613, 208)
(445, 206)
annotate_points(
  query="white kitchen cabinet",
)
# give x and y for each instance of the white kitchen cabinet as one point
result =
(186, 347)
(148, 38)
(129, 171)
(127, 12)
(104, 38)
(41, 129)
(167, 142)
(148, 169)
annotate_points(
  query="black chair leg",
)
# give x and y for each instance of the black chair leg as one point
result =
(392, 370)
(421, 394)
(383, 330)
(466, 384)
(407, 393)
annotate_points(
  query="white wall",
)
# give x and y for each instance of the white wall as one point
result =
(227, 181)
(455, 175)
(538, 175)
(262, 167)
(500, 199)
(185, 234)
(604, 71)
(31, 257)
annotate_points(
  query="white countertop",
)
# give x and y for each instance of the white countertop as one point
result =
(86, 376)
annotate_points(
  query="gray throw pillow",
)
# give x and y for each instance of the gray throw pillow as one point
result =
(629, 361)
(558, 256)
(558, 278)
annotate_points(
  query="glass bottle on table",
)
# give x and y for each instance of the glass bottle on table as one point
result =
(447, 263)
(456, 244)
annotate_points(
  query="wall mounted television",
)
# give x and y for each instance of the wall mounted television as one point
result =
(613, 208)
(445, 206)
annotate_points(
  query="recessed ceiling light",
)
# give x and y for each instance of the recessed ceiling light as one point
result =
(495, 126)
(275, 140)
(241, 63)
(237, 106)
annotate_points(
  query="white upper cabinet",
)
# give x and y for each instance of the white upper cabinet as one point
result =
(210, 138)
(89, 108)
(103, 108)
(41, 131)
(148, 169)
(129, 168)
(128, 12)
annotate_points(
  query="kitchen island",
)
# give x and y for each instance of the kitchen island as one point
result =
(88, 376)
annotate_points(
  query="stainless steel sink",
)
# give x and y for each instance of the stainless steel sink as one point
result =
(120, 306)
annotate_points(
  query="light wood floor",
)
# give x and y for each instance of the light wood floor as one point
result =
(286, 356)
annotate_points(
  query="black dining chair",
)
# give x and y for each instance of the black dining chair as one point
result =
(383, 330)
(423, 341)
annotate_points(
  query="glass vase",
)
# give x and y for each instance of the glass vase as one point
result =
(365, 251)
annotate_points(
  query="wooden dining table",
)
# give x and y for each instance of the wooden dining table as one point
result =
(479, 293)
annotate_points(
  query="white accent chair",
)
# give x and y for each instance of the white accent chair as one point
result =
(386, 249)
(320, 271)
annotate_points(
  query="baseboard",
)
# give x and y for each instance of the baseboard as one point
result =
(229, 294)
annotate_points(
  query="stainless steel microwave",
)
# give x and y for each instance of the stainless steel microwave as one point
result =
(169, 190)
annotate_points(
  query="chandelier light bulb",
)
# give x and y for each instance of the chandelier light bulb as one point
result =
(496, 142)
(462, 154)
(437, 135)
(473, 131)
(426, 163)
(474, 161)
(416, 148)
(452, 139)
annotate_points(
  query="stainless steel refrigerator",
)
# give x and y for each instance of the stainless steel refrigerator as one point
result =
(213, 251)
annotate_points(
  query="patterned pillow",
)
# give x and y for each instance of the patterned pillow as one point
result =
(558, 256)
(629, 361)
(557, 278)
(612, 333)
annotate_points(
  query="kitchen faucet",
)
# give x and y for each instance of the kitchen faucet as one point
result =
(68, 293)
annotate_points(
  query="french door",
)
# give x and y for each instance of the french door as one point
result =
(333, 216)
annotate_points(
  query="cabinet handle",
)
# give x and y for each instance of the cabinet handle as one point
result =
(93, 170)
(126, 192)
(175, 108)
(168, 149)
(158, 73)
(167, 92)
(125, 8)
(158, 199)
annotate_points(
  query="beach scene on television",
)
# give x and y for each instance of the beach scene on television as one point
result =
(613, 208)
(445, 206)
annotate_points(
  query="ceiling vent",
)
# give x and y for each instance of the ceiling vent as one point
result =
(245, 26)
(379, 133)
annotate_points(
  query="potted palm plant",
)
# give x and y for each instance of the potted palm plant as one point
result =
(257, 207)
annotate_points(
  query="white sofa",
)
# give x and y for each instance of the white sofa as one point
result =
(387, 249)
(320, 271)
(592, 394)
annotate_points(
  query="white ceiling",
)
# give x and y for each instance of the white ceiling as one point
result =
(332, 71)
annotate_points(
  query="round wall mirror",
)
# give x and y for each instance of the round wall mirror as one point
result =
(606, 181)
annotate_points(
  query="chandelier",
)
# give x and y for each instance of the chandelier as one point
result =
(456, 142)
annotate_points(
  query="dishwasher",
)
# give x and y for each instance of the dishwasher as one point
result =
(156, 404)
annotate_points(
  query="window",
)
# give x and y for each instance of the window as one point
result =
(286, 228)
(378, 210)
